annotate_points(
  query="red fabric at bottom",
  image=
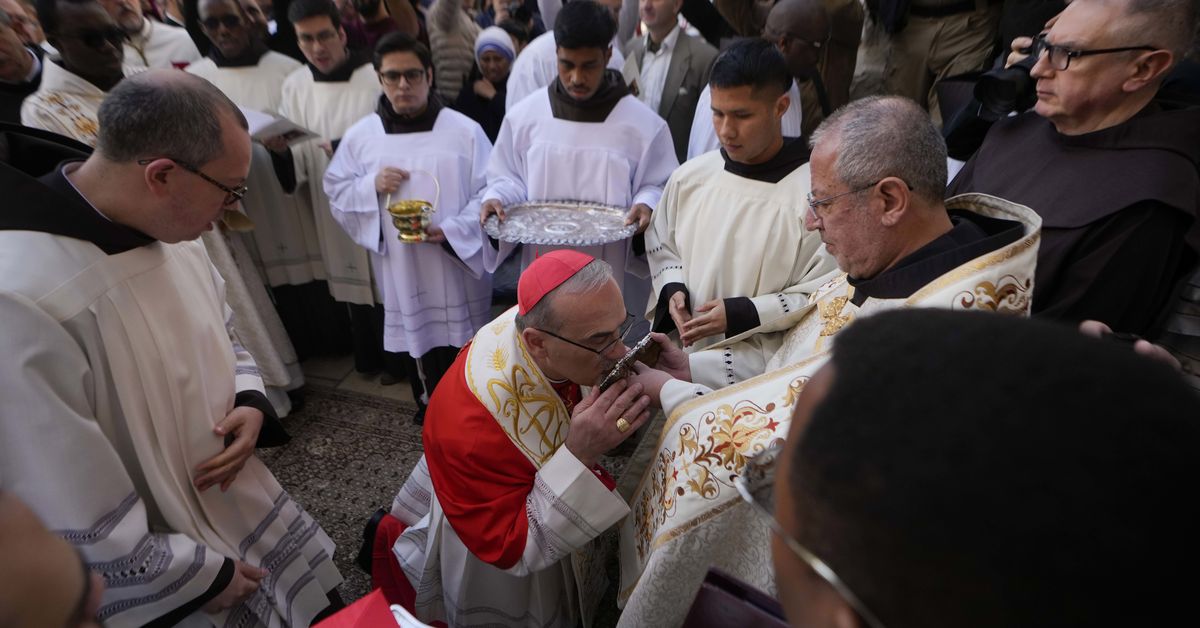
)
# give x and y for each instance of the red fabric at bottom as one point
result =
(386, 573)
(368, 612)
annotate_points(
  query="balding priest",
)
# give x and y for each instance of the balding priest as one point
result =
(496, 524)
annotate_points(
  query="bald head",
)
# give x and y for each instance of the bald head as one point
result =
(164, 112)
(795, 15)
(886, 136)
(798, 28)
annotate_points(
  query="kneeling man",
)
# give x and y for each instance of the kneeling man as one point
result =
(502, 510)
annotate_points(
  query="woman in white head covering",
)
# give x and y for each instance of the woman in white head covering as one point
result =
(482, 95)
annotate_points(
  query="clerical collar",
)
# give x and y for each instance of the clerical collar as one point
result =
(594, 109)
(971, 236)
(53, 205)
(420, 123)
(343, 72)
(792, 155)
(249, 58)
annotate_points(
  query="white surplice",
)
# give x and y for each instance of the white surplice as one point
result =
(723, 235)
(118, 367)
(537, 66)
(703, 137)
(160, 45)
(284, 240)
(256, 87)
(622, 161)
(329, 109)
(430, 298)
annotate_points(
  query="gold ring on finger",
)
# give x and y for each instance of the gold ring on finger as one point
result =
(623, 425)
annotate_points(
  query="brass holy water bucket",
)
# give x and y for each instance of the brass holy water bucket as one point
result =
(413, 216)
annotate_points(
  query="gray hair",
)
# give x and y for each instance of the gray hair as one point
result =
(156, 114)
(1172, 25)
(542, 316)
(887, 136)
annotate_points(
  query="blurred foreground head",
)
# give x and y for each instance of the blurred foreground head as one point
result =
(978, 470)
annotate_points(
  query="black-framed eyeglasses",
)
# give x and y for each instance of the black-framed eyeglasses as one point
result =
(229, 21)
(622, 331)
(1059, 57)
(758, 479)
(232, 195)
(96, 38)
(392, 78)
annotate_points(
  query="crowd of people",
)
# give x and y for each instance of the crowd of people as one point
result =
(838, 220)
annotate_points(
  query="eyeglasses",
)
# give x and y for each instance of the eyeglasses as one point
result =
(323, 37)
(96, 38)
(229, 21)
(815, 204)
(778, 38)
(758, 476)
(232, 195)
(622, 331)
(392, 78)
(1060, 57)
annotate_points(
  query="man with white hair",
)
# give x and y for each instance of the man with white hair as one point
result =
(878, 173)
(1110, 169)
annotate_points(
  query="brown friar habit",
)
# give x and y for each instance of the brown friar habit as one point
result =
(1118, 209)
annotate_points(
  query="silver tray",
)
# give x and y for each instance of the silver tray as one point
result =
(572, 223)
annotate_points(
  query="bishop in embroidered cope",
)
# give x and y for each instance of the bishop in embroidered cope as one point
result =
(898, 245)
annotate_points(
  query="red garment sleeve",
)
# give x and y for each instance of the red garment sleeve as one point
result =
(480, 478)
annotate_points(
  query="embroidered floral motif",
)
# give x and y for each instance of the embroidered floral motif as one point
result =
(1009, 295)
(712, 452)
(831, 315)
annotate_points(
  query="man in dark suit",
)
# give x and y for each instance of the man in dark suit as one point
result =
(20, 62)
(667, 68)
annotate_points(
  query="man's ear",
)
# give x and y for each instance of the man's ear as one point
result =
(1148, 68)
(607, 55)
(895, 195)
(156, 175)
(782, 104)
(535, 341)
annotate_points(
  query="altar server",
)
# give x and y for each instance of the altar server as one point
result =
(709, 283)
(585, 138)
(335, 90)
(435, 293)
